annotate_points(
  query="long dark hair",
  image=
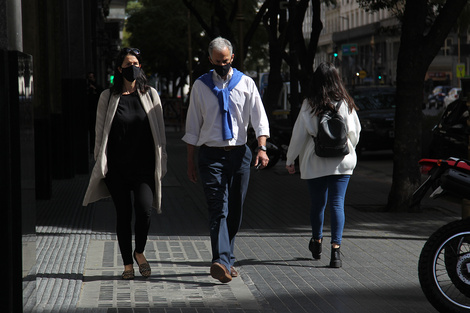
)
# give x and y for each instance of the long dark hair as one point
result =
(327, 89)
(141, 80)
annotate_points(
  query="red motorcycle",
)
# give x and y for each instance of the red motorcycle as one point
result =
(444, 263)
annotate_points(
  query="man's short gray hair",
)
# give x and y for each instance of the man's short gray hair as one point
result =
(218, 44)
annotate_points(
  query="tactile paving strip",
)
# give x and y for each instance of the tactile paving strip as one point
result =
(180, 279)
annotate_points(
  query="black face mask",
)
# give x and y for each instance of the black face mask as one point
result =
(222, 70)
(130, 73)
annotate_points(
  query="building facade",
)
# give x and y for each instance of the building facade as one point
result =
(364, 46)
(47, 48)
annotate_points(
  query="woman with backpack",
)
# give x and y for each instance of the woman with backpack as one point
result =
(327, 125)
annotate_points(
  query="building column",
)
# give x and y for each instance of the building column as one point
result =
(17, 166)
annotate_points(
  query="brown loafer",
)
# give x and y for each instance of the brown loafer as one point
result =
(144, 268)
(220, 272)
(233, 272)
(128, 275)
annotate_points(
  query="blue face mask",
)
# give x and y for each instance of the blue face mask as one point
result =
(130, 73)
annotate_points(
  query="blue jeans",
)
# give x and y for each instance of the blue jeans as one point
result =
(225, 176)
(331, 189)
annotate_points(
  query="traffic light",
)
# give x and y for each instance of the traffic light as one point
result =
(335, 54)
(111, 79)
(380, 77)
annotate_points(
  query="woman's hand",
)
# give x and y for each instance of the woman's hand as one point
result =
(291, 168)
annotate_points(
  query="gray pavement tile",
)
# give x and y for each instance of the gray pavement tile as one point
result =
(180, 279)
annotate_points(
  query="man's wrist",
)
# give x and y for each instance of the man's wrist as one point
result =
(262, 148)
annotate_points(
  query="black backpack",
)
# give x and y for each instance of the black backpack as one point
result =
(331, 139)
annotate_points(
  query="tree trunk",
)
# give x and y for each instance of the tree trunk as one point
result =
(271, 24)
(300, 57)
(407, 147)
(417, 50)
(254, 26)
(296, 48)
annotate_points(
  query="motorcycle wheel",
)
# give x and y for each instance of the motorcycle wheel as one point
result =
(444, 268)
(456, 258)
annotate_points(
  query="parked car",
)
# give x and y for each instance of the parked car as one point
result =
(453, 95)
(450, 135)
(377, 116)
(436, 98)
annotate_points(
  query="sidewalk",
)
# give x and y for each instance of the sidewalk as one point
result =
(78, 262)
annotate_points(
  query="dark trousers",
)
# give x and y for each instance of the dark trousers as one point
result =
(131, 192)
(225, 176)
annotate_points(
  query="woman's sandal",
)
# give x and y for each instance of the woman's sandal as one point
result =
(144, 268)
(128, 275)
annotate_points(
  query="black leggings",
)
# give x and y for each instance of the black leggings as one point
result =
(121, 188)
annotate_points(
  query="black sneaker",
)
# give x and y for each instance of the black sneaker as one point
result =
(315, 248)
(335, 261)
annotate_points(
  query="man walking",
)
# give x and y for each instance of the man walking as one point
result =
(223, 102)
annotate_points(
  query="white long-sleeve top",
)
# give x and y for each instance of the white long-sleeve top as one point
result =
(302, 145)
(204, 120)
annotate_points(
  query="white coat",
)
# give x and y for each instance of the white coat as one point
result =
(302, 145)
(106, 110)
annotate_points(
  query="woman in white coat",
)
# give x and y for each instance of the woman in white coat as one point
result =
(327, 177)
(130, 156)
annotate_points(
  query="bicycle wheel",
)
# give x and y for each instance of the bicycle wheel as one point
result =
(444, 268)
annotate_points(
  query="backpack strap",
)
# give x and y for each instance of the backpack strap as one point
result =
(151, 94)
(338, 105)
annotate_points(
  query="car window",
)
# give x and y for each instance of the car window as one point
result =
(437, 90)
(374, 100)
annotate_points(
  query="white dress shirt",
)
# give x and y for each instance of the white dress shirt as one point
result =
(204, 121)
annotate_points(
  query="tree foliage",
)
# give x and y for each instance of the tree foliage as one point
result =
(288, 44)
(158, 29)
(168, 31)
(238, 24)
